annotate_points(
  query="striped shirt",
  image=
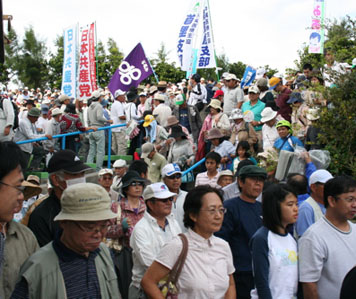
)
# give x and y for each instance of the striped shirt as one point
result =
(203, 179)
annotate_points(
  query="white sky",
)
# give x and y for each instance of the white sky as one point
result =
(256, 32)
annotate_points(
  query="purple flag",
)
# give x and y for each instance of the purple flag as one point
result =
(132, 70)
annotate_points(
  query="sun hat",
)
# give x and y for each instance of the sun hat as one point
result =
(30, 189)
(216, 104)
(85, 202)
(119, 163)
(56, 111)
(105, 171)
(131, 96)
(34, 112)
(148, 119)
(67, 161)
(171, 121)
(273, 82)
(170, 169)
(218, 93)
(33, 178)
(162, 84)
(157, 190)
(226, 172)
(146, 149)
(214, 133)
(320, 176)
(253, 89)
(231, 77)
(96, 94)
(236, 114)
(313, 114)
(129, 177)
(177, 131)
(268, 114)
(295, 97)
(262, 82)
(252, 171)
(159, 97)
(153, 89)
(63, 97)
(118, 93)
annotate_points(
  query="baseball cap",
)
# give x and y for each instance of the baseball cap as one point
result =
(85, 202)
(63, 97)
(148, 119)
(56, 111)
(119, 92)
(252, 171)
(170, 169)
(273, 82)
(218, 93)
(67, 161)
(320, 176)
(119, 163)
(157, 190)
(96, 94)
(34, 112)
(253, 89)
(105, 171)
(147, 148)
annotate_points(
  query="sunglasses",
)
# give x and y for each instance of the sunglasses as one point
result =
(164, 199)
(137, 184)
(174, 176)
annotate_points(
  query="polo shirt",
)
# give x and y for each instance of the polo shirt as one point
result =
(256, 109)
(203, 179)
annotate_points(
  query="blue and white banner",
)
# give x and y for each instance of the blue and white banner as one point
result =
(69, 76)
(187, 35)
(248, 77)
(206, 56)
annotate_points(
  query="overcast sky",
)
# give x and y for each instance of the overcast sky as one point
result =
(256, 32)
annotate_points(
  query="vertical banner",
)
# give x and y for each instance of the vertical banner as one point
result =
(131, 71)
(87, 66)
(248, 77)
(69, 75)
(206, 57)
(316, 38)
(187, 35)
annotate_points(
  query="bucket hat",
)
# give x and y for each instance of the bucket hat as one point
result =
(268, 114)
(129, 177)
(214, 133)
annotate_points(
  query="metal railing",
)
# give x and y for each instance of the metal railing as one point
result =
(109, 128)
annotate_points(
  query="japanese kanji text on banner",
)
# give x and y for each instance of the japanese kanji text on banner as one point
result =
(69, 77)
(87, 66)
(316, 38)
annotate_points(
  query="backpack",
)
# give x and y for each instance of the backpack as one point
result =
(16, 113)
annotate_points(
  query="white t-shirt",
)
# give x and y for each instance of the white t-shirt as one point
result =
(117, 110)
(206, 270)
(326, 255)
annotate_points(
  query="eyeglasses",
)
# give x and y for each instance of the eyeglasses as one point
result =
(212, 212)
(137, 184)
(92, 227)
(174, 176)
(21, 189)
(164, 199)
(348, 199)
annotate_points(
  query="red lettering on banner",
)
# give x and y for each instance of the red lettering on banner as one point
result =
(84, 35)
(84, 62)
(84, 75)
(92, 57)
(84, 90)
(83, 48)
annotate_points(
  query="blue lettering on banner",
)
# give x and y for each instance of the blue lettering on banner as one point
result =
(188, 41)
(183, 31)
(204, 40)
(180, 45)
(68, 63)
(70, 34)
(189, 19)
(204, 61)
(190, 35)
(180, 59)
(68, 76)
(205, 51)
(69, 48)
(67, 89)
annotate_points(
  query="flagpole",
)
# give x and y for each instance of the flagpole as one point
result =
(154, 73)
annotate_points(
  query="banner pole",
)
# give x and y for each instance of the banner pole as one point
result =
(154, 73)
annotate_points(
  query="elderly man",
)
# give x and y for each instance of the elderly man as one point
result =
(96, 120)
(154, 160)
(162, 111)
(242, 219)
(120, 168)
(53, 128)
(157, 227)
(27, 130)
(172, 177)
(233, 95)
(105, 178)
(64, 100)
(76, 264)
(119, 142)
(65, 169)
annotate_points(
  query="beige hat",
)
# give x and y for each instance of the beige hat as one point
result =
(153, 89)
(226, 172)
(171, 121)
(120, 163)
(105, 171)
(268, 114)
(231, 77)
(30, 190)
(253, 89)
(85, 202)
(34, 178)
(56, 111)
(147, 148)
(63, 97)
(216, 104)
(214, 133)
(162, 84)
(159, 97)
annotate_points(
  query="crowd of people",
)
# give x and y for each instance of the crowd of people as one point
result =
(237, 229)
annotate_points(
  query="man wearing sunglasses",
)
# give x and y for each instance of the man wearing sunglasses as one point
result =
(172, 177)
(76, 264)
(157, 227)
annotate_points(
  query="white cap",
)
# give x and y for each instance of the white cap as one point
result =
(105, 171)
(260, 72)
(320, 176)
(118, 93)
(253, 89)
(119, 163)
(96, 94)
(170, 169)
(56, 111)
(231, 77)
(157, 190)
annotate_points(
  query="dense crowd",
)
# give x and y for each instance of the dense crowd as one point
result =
(261, 217)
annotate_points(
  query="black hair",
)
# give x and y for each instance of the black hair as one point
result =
(147, 112)
(298, 182)
(243, 163)
(70, 108)
(11, 157)
(140, 166)
(213, 156)
(338, 185)
(193, 202)
(196, 78)
(307, 66)
(272, 198)
(246, 146)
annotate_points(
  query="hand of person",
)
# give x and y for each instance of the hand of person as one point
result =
(158, 147)
(7, 130)
(306, 157)
(39, 130)
(110, 121)
(51, 150)
(49, 136)
(254, 123)
(189, 162)
(169, 141)
(145, 138)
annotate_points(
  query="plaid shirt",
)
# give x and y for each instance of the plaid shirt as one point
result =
(115, 230)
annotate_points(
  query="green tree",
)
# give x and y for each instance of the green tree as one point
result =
(7, 70)
(32, 67)
(56, 65)
(237, 68)
(113, 60)
(101, 65)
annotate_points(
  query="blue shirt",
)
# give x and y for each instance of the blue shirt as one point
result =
(256, 109)
(184, 119)
(284, 143)
(241, 221)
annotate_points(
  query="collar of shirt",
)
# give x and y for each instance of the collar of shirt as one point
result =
(199, 240)
(126, 207)
(67, 255)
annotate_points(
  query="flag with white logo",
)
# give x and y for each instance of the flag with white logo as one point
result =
(132, 70)
(249, 76)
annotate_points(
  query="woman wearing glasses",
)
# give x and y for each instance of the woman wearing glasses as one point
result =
(129, 208)
(208, 268)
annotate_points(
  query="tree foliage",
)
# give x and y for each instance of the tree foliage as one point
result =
(56, 65)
